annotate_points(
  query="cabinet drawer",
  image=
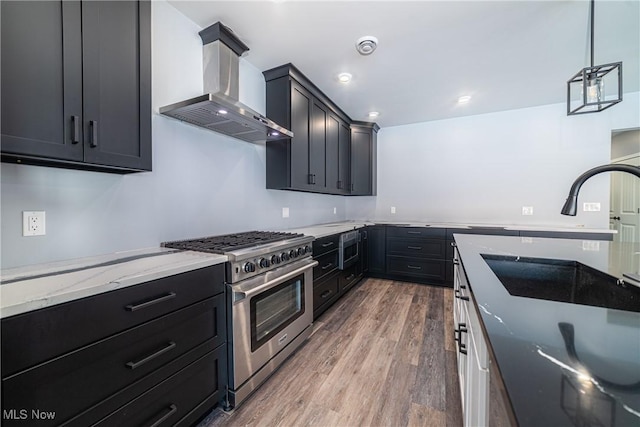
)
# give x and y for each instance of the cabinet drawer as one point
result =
(423, 248)
(325, 244)
(327, 263)
(37, 336)
(437, 233)
(326, 291)
(171, 402)
(73, 383)
(416, 267)
(348, 278)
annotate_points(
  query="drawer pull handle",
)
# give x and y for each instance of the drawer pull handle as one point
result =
(326, 294)
(453, 244)
(414, 232)
(416, 248)
(457, 336)
(326, 245)
(135, 307)
(455, 262)
(324, 267)
(170, 346)
(414, 267)
(457, 295)
(172, 410)
(75, 129)
(351, 276)
(93, 124)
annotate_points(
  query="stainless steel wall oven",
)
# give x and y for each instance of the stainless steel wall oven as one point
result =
(348, 249)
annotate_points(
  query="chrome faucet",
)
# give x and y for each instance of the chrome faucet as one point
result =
(571, 205)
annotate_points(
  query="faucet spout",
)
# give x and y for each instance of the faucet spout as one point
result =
(571, 205)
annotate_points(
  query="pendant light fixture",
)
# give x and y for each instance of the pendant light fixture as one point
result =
(594, 88)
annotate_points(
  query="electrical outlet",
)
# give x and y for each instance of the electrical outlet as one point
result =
(335, 210)
(527, 210)
(33, 223)
(285, 212)
(526, 239)
(591, 207)
(590, 245)
(393, 209)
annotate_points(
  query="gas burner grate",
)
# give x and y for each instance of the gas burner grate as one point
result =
(230, 242)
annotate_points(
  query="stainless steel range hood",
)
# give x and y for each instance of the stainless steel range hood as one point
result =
(219, 110)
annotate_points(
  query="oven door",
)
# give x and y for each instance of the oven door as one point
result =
(268, 312)
(348, 254)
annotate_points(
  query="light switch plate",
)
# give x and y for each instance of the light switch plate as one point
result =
(393, 209)
(527, 210)
(285, 212)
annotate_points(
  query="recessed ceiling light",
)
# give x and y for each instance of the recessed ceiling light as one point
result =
(464, 99)
(222, 111)
(344, 77)
(373, 114)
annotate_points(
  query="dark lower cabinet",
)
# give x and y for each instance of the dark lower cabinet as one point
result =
(376, 250)
(426, 254)
(76, 84)
(329, 282)
(171, 351)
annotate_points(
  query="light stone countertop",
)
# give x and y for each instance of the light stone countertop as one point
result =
(322, 230)
(32, 287)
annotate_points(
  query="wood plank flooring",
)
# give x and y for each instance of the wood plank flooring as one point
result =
(381, 356)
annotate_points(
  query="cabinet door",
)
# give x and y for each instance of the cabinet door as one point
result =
(333, 154)
(42, 79)
(377, 250)
(361, 145)
(344, 158)
(301, 102)
(116, 49)
(317, 146)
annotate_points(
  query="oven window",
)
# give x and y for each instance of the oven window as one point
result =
(275, 309)
(351, 252)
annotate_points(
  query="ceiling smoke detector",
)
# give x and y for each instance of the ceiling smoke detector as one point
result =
(366, 45)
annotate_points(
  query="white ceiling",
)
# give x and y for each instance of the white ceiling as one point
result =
(505, 54)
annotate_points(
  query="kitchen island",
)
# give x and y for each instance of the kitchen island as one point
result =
(559, 362)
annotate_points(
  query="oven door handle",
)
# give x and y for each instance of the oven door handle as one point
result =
(240, 295)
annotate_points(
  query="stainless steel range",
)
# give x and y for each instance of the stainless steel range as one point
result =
(269, 279)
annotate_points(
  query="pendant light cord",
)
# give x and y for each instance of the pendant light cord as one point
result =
(593, 8)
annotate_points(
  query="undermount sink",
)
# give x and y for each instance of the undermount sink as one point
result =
(562, 281)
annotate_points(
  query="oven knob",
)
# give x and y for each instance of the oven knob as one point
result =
(284, 256)
(307, 249)
(293, 254)
(264, 263)
(275, 259)
(300, 251)
(249, 267)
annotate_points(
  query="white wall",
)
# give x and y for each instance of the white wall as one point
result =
(202, 183)
(485, 168)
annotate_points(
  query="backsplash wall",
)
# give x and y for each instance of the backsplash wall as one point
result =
(202, 183)
(485, 168)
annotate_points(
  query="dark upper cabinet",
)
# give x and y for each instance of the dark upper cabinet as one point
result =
(363, 158)
(338, 147)
(319, 156)
(76, 84)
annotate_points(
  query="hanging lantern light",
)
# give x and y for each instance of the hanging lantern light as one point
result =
(594, 88)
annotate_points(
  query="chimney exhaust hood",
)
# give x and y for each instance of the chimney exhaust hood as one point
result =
(219, 110)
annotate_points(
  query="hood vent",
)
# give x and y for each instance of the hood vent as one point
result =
(219, 110)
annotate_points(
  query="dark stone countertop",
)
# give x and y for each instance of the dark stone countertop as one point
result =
(546, 384)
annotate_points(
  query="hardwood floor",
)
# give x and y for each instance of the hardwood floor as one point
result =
(381, 356)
